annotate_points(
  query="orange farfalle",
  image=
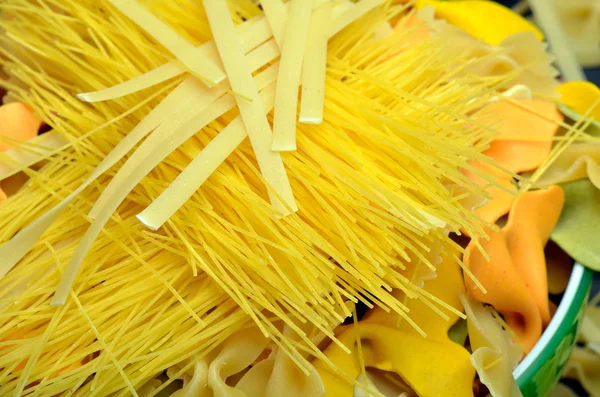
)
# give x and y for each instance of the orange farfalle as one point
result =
(525, 131)
(17, 122)
(515, 278)
(529, 226)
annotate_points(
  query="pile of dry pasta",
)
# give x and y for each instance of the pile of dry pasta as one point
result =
(225, 184)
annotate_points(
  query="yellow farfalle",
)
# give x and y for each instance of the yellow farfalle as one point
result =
(580, 96)
(422, 362)
(485, 20)
(391, 344)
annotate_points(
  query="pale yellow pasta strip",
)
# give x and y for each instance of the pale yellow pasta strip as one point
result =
(200, 169)
(152, 151)
(253, 113)
(314, 67)
(202, 68)
(288, 82)
(277, 14)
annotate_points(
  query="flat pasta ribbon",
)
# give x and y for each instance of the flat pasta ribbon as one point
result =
(495, 356)
(515, 278)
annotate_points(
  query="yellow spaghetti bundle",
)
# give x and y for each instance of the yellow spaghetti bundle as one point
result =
(379, 184)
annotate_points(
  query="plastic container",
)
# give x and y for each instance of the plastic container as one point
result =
(540, 371)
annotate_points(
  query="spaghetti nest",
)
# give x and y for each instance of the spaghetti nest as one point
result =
(379, 184)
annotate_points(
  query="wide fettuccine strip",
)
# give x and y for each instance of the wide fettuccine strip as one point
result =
(314, 67)
(288, 81)
(198, 171)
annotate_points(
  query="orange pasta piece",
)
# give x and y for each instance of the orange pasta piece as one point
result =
(525, 130)
(515, 278)
(17, 122)
(530, 223)
(506, 291)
